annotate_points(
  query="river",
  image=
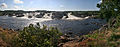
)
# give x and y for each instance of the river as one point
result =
(78, 26)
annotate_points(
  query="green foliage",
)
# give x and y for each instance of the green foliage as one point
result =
(35, 36)
(1, 13)
(113, 40)
(85, 13)
(110, 10)
(93, 35)
(114, 37)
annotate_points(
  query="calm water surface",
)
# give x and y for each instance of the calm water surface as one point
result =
(75, 26)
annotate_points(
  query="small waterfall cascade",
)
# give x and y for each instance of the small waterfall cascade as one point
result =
(64, 17)
(70, 16)
(47, 16)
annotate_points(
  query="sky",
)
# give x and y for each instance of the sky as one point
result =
(52, 5)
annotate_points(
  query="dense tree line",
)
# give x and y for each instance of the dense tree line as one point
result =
(77, 13)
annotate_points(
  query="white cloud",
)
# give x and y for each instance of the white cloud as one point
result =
(16, 7)
(18, 1)
(61, 5)
(3, 5)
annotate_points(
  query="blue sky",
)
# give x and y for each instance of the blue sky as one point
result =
(58, 5)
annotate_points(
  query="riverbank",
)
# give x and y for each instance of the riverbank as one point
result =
(102, 37)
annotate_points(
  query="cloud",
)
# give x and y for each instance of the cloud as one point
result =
(3, 5)
(16, 7)
(61, 5)
(18, 1)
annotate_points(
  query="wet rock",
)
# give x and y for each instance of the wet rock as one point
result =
(18, 30)
(70, 33)
(39, 16)
(66, 35)
(66, 38)
(58, 15)
(60, 45)
(20, 16)
(82, 38)
(106, 25)
(86, 23)
(10, 15)
(12, 29)
(29, 16)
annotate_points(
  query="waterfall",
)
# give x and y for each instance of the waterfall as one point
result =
(64, 17)
(70, 16)
(52, 15)
(47, 16)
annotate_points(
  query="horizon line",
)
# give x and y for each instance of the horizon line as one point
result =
(49, 10)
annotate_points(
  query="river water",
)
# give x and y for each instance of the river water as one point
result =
(78, 26)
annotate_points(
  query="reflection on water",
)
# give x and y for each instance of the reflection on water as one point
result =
(76, 26)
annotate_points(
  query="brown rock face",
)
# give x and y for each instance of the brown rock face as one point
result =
(71, 44)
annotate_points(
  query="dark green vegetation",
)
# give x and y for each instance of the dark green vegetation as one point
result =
(109, 35)
(85, 12)
(36, 37)
(110, 10)
(76, 13)
(32, 36)
(15, 12)
(10, 12)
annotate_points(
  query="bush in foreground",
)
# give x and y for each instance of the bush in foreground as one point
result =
(37, 37)
(32, 36)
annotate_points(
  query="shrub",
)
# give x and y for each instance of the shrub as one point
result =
(35, 36)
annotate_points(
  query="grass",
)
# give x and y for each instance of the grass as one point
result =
(106, 38)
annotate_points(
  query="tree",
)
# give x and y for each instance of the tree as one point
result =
(110, 10)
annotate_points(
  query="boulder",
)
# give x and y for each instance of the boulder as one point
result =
(29, 16)
(40, 15)
(58, 15)
(20, 15)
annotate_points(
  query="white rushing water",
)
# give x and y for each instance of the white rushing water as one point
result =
(75, 26)
(50, 16)
(47, 16)
(70, 16)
